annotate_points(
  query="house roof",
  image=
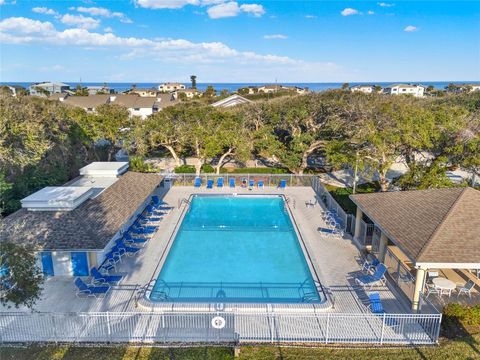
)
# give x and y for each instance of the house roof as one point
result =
(403, 86)
(135, 101)
(90, 226)
(49, 83)
(86, 102)
(232, 100)
(164, 100)
(430, 226)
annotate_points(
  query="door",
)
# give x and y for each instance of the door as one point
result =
(47, 263)
(79, 263)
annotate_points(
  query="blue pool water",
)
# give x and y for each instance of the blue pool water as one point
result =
(236, 249)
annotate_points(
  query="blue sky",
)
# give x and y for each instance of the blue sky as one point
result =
(239, 41)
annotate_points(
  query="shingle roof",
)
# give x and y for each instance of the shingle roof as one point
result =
(430, 226)
(88, 227)
(90, 101)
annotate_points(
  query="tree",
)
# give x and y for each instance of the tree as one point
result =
(109, 126)
(167, 129)
(302, 125)
(233, 140)
(345, 86)
(210, 92)
(193, 79)
(20, 277)
(81, 91)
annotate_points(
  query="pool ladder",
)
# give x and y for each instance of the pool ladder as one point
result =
(183, 201)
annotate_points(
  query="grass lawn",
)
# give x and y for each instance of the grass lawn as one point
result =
(464, 348)
(341, 194)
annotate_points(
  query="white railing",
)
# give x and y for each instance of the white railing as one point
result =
(326, 328)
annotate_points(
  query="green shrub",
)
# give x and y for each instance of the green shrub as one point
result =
(468, 315)
(185, 169)
(207, 169)
(260, 171)
(137, 163)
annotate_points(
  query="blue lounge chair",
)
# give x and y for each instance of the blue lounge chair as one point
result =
(376, 307)
(116, 250)
(90, 290)
(220, 182)
(151, 211)
(210, 184)
(198, 182)
(147, 219)
(99, 278)
(370, 264)
(129, 250)
(260, 184)
(231, 181)
(156, 200)
(135, 240)
(282, 184)
(251, 184)
(113, 257)
(141, 230)
(377, 278)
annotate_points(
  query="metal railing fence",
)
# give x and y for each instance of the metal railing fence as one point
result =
(268, 179)
(220, 327)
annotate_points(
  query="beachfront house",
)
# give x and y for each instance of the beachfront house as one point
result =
(405, 89)
(428, 239)
(366, 89)
(47, 88)
(71, 227)
(170, 86)
(189, 93)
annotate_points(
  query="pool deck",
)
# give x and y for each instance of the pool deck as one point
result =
(336, 260)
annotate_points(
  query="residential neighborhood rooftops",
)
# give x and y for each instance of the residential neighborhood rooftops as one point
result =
(88, 227)
(430, 226)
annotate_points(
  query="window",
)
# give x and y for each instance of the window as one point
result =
(136, 109)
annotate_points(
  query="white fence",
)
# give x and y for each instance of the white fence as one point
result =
(326, 328)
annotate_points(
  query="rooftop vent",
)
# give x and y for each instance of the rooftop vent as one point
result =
(57, 198)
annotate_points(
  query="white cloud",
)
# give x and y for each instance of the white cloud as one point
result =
(230, 9)
(108, 29)
(2, 2)
(275, 36)
(383, 4)
(97, 11)
(44, 10)
(165, 4)
(21, 25)
(80, 21)
(224, 10)
(178, 51)
(254, 9)
(310, 16)
(349, 11)
(370, 12)
(410, 28)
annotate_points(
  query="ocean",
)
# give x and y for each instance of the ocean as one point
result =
(231, 87)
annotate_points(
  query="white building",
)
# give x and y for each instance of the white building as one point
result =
(405, 89)
(169, 87)
(366, 89)
(232, 100)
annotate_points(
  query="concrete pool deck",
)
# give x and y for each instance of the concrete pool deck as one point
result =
(336, 260)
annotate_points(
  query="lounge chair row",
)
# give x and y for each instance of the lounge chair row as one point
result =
(231, 183)
(131, 243)
(375, 274)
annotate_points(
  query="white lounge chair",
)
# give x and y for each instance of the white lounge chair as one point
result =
(467, 288)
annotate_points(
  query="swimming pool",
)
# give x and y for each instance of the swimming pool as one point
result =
(236, 249)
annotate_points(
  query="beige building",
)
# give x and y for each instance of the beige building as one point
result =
(144, 92)
(189, 93)
(170, 86)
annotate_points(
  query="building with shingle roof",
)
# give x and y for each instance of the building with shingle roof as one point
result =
(431, 229)
(94, 210)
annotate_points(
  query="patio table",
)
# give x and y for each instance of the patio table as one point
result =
(444, 285)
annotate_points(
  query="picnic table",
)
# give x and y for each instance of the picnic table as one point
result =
(443, 284)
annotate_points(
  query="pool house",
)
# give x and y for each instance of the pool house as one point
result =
(428, 239)
(71, 227)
